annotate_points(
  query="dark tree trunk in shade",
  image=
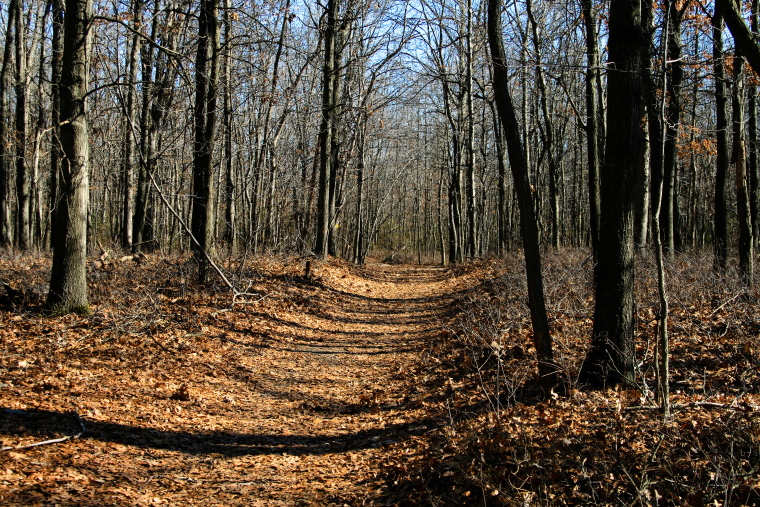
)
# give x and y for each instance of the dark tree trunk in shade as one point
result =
(541, 335)
(206, 87)
(720, 226)
(610, 360)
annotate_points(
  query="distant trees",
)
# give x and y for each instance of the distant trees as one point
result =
(355, 128)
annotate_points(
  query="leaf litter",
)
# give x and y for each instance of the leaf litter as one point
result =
(366, 385)
(289, 399)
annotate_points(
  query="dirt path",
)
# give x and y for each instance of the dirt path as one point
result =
(338, 384)
(289, 402)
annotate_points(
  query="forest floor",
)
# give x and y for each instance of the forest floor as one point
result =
(289, 397)
(365, 385)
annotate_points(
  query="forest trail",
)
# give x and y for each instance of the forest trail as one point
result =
(337, 389)
(291, 400)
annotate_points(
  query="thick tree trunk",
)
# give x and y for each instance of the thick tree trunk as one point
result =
(206, 86)
(542, 339)
(68, 279)
(611, 359)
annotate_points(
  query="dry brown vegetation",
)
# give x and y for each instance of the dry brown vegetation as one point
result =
(378, 385)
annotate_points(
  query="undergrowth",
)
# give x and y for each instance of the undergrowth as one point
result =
(505, 443)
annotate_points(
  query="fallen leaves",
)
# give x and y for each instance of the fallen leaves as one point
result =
(188, 405)
(300, 396)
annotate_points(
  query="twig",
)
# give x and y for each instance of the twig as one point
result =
(745, 407)
(724, 304)
(235, 291)
(244, 294)
(48, 442)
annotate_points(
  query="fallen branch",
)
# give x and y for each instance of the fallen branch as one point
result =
(724, 304)
(744, 407)
(47, 442)
(235, 292)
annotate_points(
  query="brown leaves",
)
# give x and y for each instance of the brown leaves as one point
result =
(289, 399)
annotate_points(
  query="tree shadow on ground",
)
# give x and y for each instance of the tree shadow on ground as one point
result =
(41, 423)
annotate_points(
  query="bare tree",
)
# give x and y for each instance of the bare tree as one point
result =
(611, 358)
(206, 87)
(68, 279)
(519, 166)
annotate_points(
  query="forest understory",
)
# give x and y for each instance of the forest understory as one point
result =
(367, 385)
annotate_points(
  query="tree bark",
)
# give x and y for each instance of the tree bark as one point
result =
(206, 87)
(230, 212)
(752, 141)
(470, 143)
(56, 150)
(68, 279)
(720, 240)
(542, 339)
(669, 206)
(592, 123)
(547, 131)
(326, 130)
(23, 179)
(6, 222)
(746, 257)
(610, 360)
(743, 39)
(128, 173)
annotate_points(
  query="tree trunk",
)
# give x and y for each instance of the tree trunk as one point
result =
(147, 146)
(68, 280)
(743, 39)
(611, 359)
(752, 142)
(56, 152)
(746, 268)
(23, 180)
(128, 205)
(592, 117)
(720, 241)
(669, 207)
(662, 350)
(541, 336)
(326, 131)
(206, 85)
(470, 144)
(230, 216)
(6, 224)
